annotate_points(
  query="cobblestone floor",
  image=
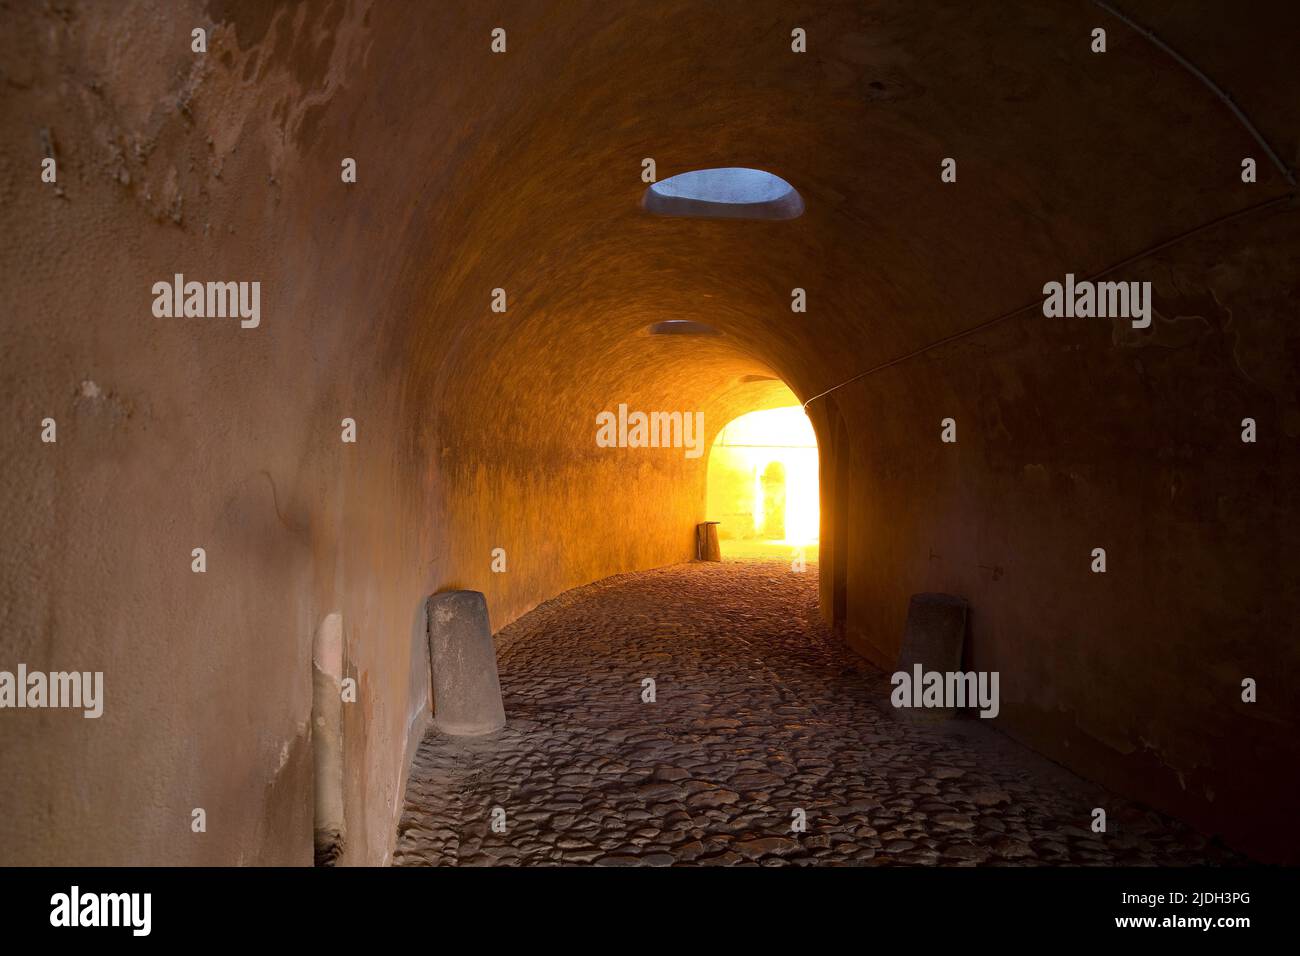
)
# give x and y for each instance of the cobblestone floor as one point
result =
(758, 712)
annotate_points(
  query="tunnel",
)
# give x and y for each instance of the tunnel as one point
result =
(443, 256)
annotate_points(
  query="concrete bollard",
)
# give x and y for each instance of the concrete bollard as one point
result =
(463, 659)
(327, 739)
(933, 637)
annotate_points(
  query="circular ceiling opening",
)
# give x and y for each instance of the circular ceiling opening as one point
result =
(682, 327)
(728, 192)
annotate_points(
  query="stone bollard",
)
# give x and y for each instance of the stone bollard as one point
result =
(706, 541)
(463, 660)
(933, 637)
(327, 739)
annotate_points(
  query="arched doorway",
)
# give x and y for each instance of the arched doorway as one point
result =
(762, 485)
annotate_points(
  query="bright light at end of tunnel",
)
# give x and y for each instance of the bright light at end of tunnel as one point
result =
(763, 478)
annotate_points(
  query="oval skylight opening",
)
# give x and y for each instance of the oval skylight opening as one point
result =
(682, 327)
(728, 192)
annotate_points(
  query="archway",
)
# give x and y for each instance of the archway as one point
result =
(763, 485)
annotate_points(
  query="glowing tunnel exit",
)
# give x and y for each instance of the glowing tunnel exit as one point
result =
(763, 484)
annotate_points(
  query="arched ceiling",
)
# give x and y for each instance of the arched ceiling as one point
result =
(1067, 161)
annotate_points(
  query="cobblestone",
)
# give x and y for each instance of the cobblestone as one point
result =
(758, 712)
